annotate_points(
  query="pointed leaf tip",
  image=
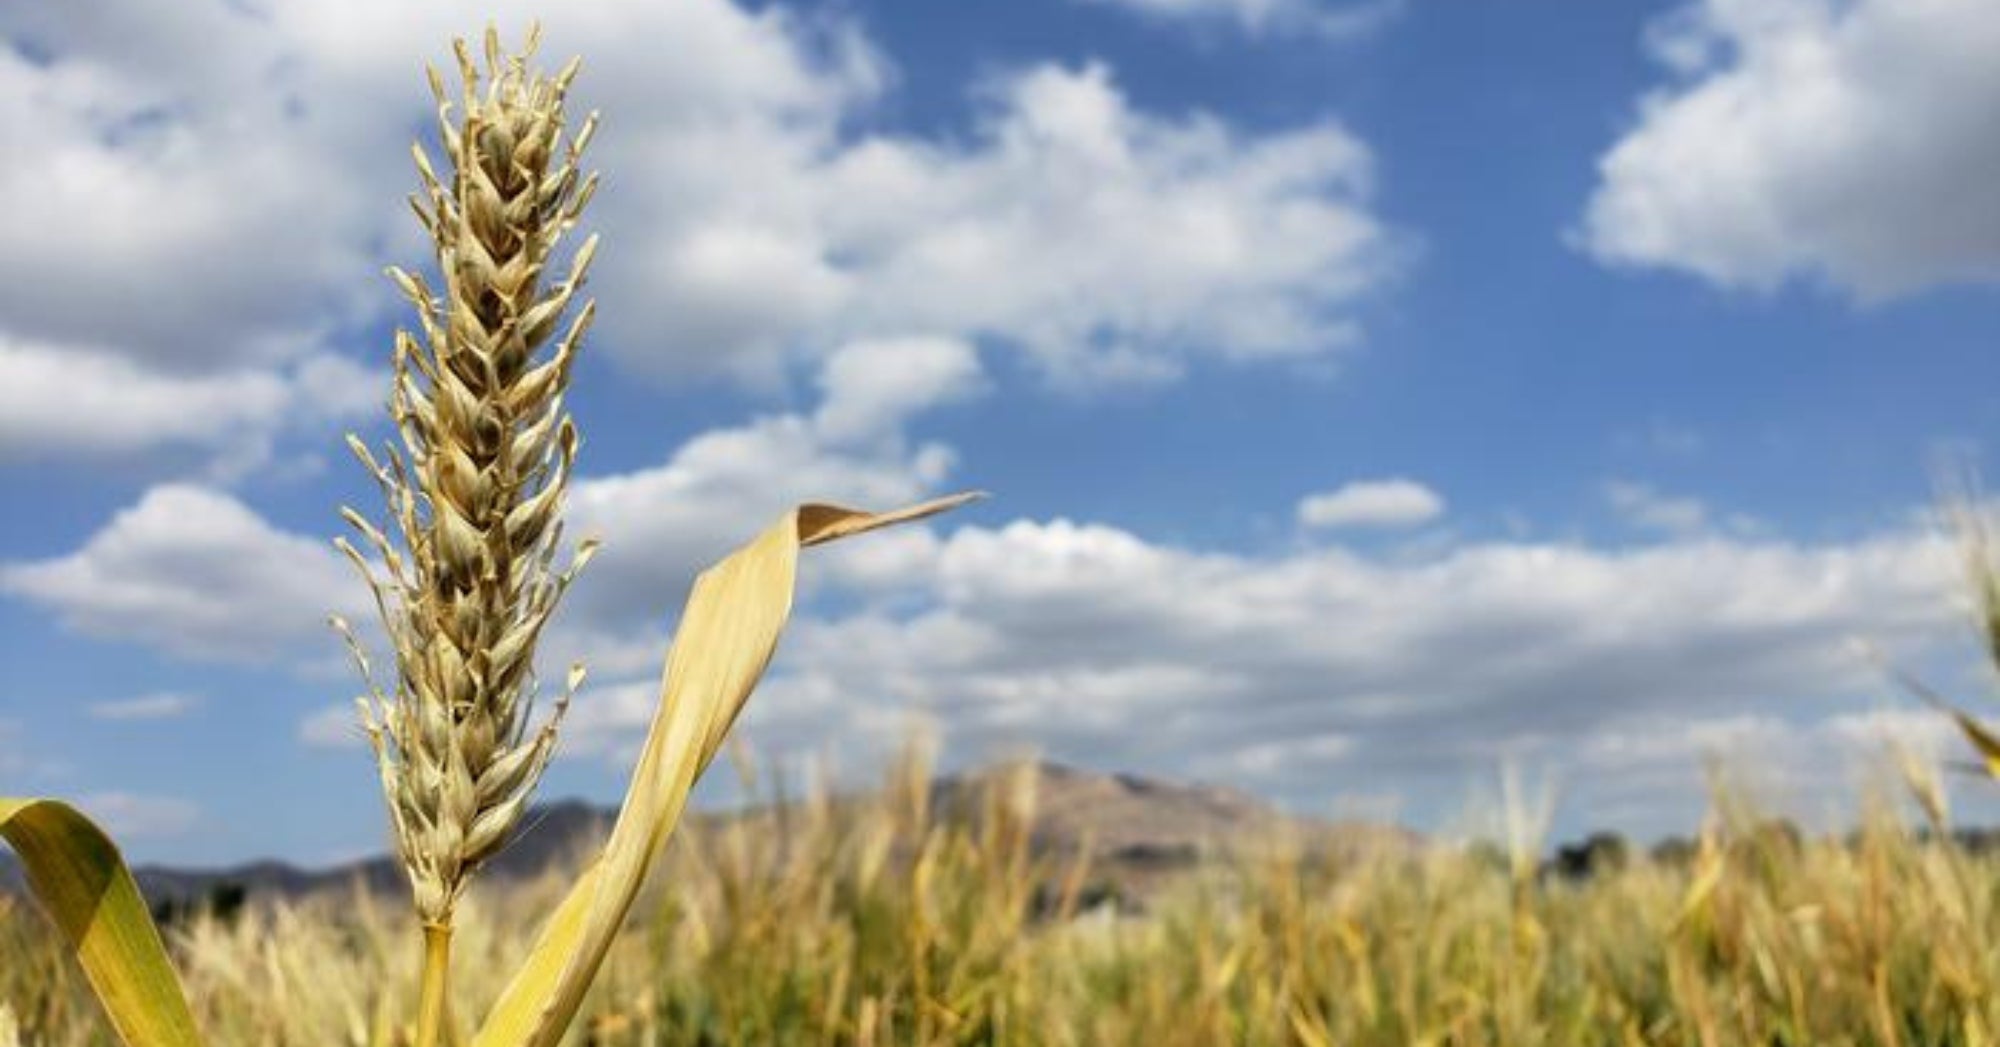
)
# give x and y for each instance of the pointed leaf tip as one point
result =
(820, 523)
(728, 633)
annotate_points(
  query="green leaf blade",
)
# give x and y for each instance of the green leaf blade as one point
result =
(75, 871)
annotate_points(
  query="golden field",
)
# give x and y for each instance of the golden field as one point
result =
(887, 920)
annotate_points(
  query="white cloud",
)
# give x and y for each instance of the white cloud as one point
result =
(1645, 507)
(334, 727)
(1654, 768)
(195, 572)
(1317, 671)
(1305, 673)
(1180, 237)
(1372, 503)
(1848, 141)
(1338, 21)
(131, 816)
(873, 387)
(1679, 745)
(213, 212)
(662, 524)
(177, 209)
(1918, 729)
(610, 721)
(160, 705)
(1281, 758)
(67, 404)
(1302, 672)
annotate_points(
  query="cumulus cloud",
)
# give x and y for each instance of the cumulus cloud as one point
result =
(1372, 503)
(873, 387)
(1844, 142)
(205, 216)
(190, 241)
(660, 525)
(1106, 243)
(160, 705)
(195, 572)
(1337, 21)
(1305, 674)
(333, 727)
(1646, 508)
(1654, 769)
(1301, 673)
(1317, 672)
(72, 404)
(181, 208)
(1642, 506)
(131, 816)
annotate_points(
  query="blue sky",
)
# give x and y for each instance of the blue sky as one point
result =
(1371, 394)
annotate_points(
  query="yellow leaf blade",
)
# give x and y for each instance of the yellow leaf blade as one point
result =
(1983, 739)
(728, 632)
(76, 873)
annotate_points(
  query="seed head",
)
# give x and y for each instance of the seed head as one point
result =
(468, 580)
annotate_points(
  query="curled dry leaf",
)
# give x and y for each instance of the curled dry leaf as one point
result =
(727, 635)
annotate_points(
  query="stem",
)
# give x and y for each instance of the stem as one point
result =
(437, 975)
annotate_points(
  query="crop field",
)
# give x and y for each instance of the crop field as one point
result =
(884, 921)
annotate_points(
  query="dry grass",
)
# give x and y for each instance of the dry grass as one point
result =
(876, 923)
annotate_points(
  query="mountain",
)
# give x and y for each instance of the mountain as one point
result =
(1141, 832)
(1138, 833)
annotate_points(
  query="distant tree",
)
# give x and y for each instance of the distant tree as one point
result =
(223, 900)
(1600, 852)
(1674, 852)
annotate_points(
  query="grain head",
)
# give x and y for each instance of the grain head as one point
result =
(465, 575)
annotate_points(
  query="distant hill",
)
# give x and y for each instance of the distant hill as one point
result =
(1138, 831)
(1141, 831)
(552, 833)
